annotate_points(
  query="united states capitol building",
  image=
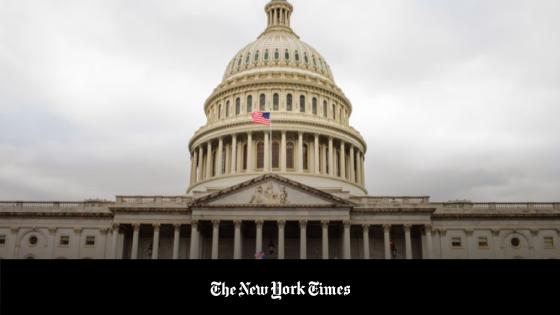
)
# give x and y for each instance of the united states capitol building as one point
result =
(295, 191)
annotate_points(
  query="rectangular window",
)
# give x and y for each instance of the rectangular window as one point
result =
(90, 240)
(64, 240)
(2, 240)
(483, 242)
(456, 242)
(548, 242)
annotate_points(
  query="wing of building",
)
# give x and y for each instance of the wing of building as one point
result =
(295, 190)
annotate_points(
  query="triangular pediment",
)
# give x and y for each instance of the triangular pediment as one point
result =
(271, 191)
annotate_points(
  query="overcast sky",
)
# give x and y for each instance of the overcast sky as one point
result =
(456, 99)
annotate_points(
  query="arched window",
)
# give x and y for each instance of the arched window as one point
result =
(260, 155)
(276, 55)
(289, 103)
(305, 157)
(302, 104)
(290, 155)
(287, 55)
(325, 109)
(340, 114)
(266, 55)
(275, 154)
(248, 59)
(239, 62)
(305, 58)
(220, 112)
(249, 104)
(297, 56)
(314, 61)
(238, 106)
(276, 102)
(256, 56)
(227, 109)
(263, 103)
(314, 106)
(333, 112)
(245, 157)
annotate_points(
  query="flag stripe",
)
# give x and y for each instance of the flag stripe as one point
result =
(261, 118)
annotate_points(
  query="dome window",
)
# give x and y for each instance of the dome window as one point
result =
(257, 56)
(239, 62)
(305, 58)
(248, 58)
(260, 156)
(249, 104)
(287, 54)
(325, 109)
(305, 157)
(314, 61)
(266, 55)
(227, 109)
(290, 155)
(297, 56)
(275, 155)
(276, 102)
(314, 106)
(302, 104)
(277, 55)
(238, 106)
(289, 103)
(262, 103)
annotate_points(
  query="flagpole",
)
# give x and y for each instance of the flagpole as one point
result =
(270, 142)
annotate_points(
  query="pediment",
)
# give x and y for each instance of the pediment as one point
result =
(271, 191)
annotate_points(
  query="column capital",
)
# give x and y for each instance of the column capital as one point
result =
(177, 226)
(387, 227)
(105, 230)
(156, 226)
(347, 223)
(534, 231)
(428, 228)
(216, 222)
(325, 223)
(115, 226)
(302, 223)
(14, 229)
(136, 226)
(281, 223)
(259, 223)
(78, 229)
(194, 223)
(469, 232)
(366, 226)
(237, 223)
(52, 230)
(407, 227)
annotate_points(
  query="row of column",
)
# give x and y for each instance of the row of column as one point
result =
(203, 164)
(237, 254)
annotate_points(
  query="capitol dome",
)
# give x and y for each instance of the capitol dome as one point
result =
(310, 141)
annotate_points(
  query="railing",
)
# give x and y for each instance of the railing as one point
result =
(151, 200)
(396, 200)
(503, 205)
(50, 205)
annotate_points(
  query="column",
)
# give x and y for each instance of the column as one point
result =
(234, 154)
(316, 155)
(266, 152)
(331, 157)
(237, 240)
(215, 239)
(342, 160)
(281, 248)
(325, 225)
(14, 241)
(155, 246)
(428, 231)
(199, 166)
(324, 159)
(194, 254)
(79, 231)
(346, 249)
(52, 241)
(362, 170)
(300, 152)
(366, 241)
(358, 168)
(302, 239)
(220, 157)
(176, 239)
(352, 165)
(114, 241)
(193, 161)
(134, 254)
(250, 152)
(408, 242)
(259, 236)
(209, 161)
(387, 240)
(283, 153)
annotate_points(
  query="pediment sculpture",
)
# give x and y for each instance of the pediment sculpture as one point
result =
(266, 195)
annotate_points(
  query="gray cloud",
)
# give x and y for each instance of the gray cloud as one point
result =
(456, 100)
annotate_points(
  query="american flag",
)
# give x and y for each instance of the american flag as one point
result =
(262, 118)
